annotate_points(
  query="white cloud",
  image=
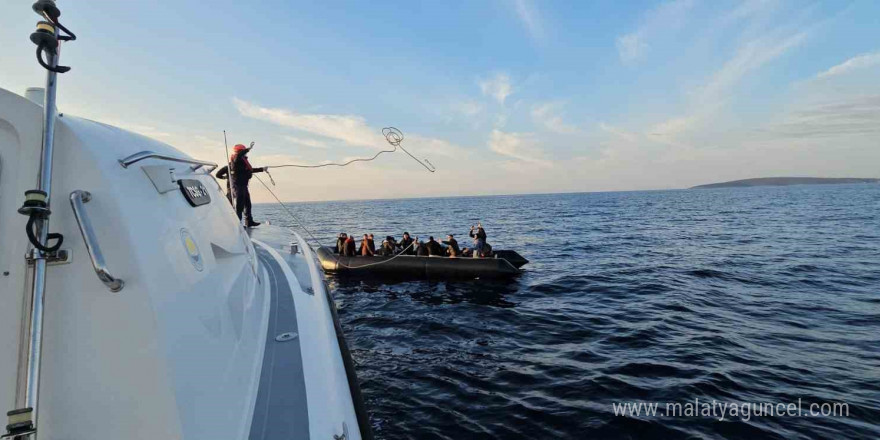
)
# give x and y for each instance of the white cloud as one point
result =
(199, 146)
(708, 98)
(307, 142)
(826, 129)
(277, 159)
(630, 47)
(516, 166)
(857, 116)
(521, 146)
(748, 8)
(833, 137)
(669, 15)
(671, 131)
(352, 130)
(859, 62)
(468, 107)
(528, 14)
(429, 145)
(498, 87)
(618, 132)
(673, 127)
(548, 115)
(748, 57)
(624, 148)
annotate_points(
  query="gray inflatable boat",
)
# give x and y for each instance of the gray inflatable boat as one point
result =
(505, 264)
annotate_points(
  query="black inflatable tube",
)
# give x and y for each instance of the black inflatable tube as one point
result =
(360, 409)
(505, 265)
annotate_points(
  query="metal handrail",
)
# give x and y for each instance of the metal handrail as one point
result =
(137, 157)
(78, 199)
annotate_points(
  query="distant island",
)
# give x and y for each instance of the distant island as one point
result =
(786, 181)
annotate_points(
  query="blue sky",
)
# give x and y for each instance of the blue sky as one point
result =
(503, 96)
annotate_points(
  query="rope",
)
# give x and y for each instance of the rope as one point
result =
(376, 263)
(289, 212)
(318, 242)
(392, 135)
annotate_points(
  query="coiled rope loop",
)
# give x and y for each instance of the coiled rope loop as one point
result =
(392, 135)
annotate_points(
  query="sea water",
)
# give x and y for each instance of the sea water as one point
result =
(696, 298)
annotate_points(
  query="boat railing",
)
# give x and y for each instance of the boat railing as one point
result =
(78, 199)
(142, 155)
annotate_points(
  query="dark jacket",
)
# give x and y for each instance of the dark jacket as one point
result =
(242, 170)
(453, 249)
(405, 245)
(223, 174)
(480, 234)
(349, 250)
(387, 249)
(392, 242)
(371, 245)
(422, 250)
(487, 250)
(434, 248)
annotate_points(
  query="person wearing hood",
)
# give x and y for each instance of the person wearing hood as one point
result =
(241, 174)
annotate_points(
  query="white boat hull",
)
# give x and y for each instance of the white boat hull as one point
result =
(180, 351)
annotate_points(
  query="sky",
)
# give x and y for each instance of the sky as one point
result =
(502, 96)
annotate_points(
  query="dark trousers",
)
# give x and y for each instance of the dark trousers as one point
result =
(243, 202)
(229, 193)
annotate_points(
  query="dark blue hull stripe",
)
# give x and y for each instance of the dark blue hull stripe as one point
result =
(281, 410)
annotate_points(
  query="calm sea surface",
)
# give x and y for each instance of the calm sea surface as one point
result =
(754, 295)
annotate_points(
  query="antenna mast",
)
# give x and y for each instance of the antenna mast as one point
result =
(22, 421)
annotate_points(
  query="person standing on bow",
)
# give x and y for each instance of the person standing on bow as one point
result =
(242, 171)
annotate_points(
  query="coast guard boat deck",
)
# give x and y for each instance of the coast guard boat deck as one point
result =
(191, 329)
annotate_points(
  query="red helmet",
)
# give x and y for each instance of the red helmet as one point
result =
(239, 147)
